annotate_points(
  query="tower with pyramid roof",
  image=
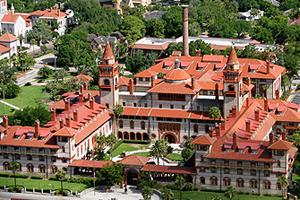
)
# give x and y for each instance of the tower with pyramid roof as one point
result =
(109, 78)
(233, 99)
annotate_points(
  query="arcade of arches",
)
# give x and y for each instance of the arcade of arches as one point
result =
(132, 135)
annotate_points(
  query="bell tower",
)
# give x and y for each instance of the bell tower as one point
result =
(232, 84)
(108, 78)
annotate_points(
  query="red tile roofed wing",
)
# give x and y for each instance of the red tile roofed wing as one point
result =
(172, 88)
(8, 37)
(9, 18)
(169, 169)
(212, 58)
(65, 132)
(4, 49)
(232, 59)
(158, 47)
(124, 80)
(203, 140)
(177, 75)
(90, 163)
(281, 145)
(145, 74)
(135, 160)
(92, 126)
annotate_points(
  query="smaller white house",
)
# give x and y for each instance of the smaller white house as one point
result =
(250, 15)
(13, 23)
(8, 45)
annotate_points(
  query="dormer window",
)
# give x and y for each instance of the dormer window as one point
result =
(278, 153)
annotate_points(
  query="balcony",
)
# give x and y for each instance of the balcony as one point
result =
(23, 152)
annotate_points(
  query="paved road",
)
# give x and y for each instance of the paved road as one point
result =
(33, 73)
(10, 105)
(7, 196)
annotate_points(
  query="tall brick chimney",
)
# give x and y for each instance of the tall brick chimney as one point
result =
(218, 130)
(217, 91)
(36, 128)
(80, 98)
(61, 123)
(185, 30)
(5, 123)
(53, 114)
(234, 141)
(131, 87)
(266, 106)
(92, 100)
(283, 135)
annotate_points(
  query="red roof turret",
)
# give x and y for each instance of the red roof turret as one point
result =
(232, 59)
(108, 52)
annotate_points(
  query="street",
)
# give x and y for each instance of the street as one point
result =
(33, 73)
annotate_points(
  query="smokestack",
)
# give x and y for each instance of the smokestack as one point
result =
(36, 128)
(61, 123)
(268, 66)
(92, 103)
(271, 138)
(53, 114)
(185, 30)
(67, 104)
(248, 126)
(256, 115)
(5, 123)
(68, 121)
(234, 142)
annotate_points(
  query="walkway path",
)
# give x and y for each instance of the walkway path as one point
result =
(10, 105)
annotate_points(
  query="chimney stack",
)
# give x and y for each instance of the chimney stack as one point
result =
(266, 106)
(271, 138)
(92, 103)
(80, 97)
(5, 123)
(256, 115)
(283, 135)
(248, 126)
(185, 30)
(234, 142)
(67, 104)
(131, 87)
(85, 86)
(53, 114)
(193, 83)
(36, 128)
(81, 89)
(217, 91)
(218, 131)
(61, 123)
(75, 115)
(68, 121)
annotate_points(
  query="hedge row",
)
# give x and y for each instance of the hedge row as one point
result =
(137, 141)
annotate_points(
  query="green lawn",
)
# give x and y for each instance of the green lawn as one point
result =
(195, 195)
(125, 147)
(41, 184)
(5, 110)
(28, 96)
(175, 157)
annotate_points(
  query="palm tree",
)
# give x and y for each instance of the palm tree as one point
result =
(21, 38)
(14, 166)
(167, 194)
(159, 149)
(283, 183)
(101, 143)
(111, 141)
(61, 176)
(118, 111)
(230, 193)
(147, 193)
(32, 43)
(180, 182)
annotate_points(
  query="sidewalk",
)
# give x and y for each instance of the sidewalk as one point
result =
(10, 105)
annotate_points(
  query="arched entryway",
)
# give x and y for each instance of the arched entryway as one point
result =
(170, 137)
(132, 177)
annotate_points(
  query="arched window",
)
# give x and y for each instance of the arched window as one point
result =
(42, 168)
(214, 180)
(53, 169)
(120, 123)
(132, 124)
(106, 82)
(267, 185)
(253, 183)
(240, 182)
(226, 181)
(195, 128)
(126, 136)
(132, 136)
(145, 136)
(120, 135)
(202, 180)
(5, 166)
(143, 125)
(230, 87)
(138, 136)
(30, 168)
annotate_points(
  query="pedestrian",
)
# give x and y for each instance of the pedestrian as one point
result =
(125, 188)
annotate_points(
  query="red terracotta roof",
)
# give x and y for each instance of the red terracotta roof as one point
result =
(8, 37)
(65, 132)
(108, 52)
(232, 58)
(177, 75)
(154, 47)
(4, 49)
(204, 140)
(169, 169)
(9, 18)
(134, 160)
(90, 163)
(83, 77)
(173, 88)
(281, 145)
(49, 13)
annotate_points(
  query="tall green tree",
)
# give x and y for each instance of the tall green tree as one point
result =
(110, 175)
(214, 112)
(188, 150)
(41, 32)
(139, 61)
(283, 183)
(173, 22)
(61, 176)
(14, 166)
(180, 183)
(155, 28)
(159, 149)
(133, 28)
(8, 87)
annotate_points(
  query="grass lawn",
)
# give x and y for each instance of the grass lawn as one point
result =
(195, 195)
(4, 109)
(28, 96)
(125, 147)
(175, 157)
(41, 184)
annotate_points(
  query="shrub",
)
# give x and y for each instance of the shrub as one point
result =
(84, 180)
(137, 141)
(45, 72)
(19, 175)
(5, 174)
(36, 177)
(28, 84)
(12, 90)
(53, 178)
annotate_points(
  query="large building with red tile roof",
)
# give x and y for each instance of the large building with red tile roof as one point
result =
(66, 139)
